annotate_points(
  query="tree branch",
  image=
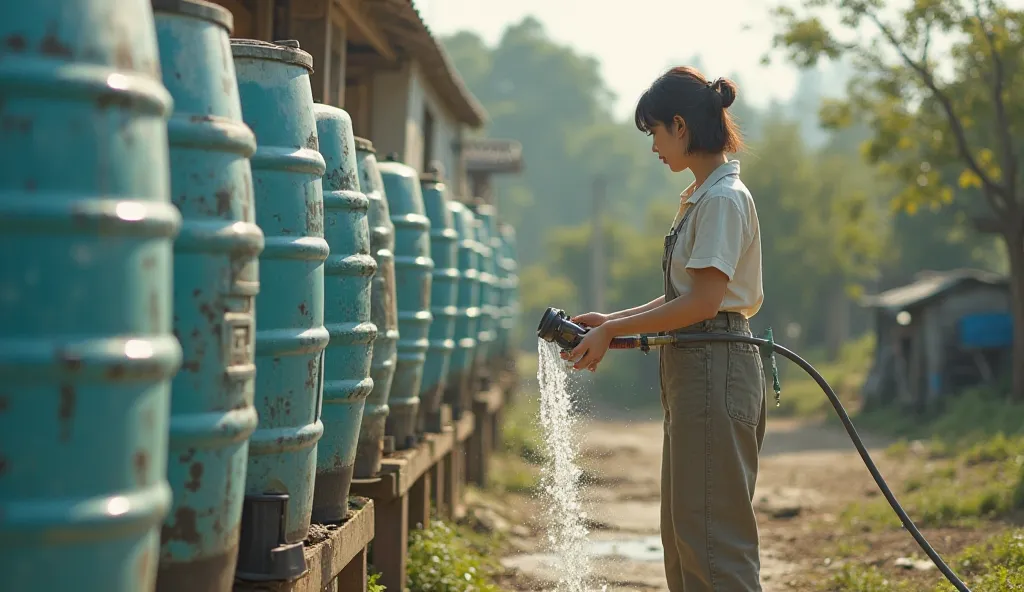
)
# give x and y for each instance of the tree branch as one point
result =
(991, 188)
(1002, 123)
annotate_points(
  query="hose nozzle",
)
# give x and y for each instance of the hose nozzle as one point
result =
(556, 327)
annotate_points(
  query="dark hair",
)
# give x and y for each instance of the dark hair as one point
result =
(684, 91)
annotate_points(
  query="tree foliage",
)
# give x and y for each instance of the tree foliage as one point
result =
(936, 85)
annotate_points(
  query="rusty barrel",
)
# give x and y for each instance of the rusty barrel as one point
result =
(86, 349)
(216, 279)
(487, 299)
(458, 393)
(383, 312)
(348, 277)
(277, 103)
(444, 250)
(413, 268)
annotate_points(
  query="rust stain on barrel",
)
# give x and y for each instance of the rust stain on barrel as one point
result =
(195, 473)
(183, 528)
(66, 411)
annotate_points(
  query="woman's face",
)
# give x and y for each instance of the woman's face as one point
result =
(669, 143)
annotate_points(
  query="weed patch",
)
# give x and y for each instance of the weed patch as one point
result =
(447, 558)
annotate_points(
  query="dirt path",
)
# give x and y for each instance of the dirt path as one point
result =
(809, 472)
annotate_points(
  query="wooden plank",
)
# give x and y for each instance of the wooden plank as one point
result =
(345, 545)
(408, 465)
(382, 487)
(366, 25)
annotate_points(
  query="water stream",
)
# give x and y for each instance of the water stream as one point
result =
(560, 478)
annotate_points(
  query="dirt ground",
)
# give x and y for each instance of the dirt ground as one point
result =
(809, 472)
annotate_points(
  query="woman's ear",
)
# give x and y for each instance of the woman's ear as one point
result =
(680, 126)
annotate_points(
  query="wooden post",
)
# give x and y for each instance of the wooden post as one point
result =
(354, 576)
(419, 502)
(391, 542)
(479, 443)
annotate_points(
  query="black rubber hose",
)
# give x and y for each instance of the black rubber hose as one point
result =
(870, 464)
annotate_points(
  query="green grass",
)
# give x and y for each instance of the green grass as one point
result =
(973, 417)
(448, 558)
(372, 584)
(858, 578)
(995, 565)
(969, 459)
(982, 482)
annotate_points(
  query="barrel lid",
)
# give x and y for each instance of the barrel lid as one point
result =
(209, 11)
(482, 208)
(364, 145)
(286, 51)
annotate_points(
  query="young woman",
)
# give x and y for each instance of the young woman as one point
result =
(713, 394)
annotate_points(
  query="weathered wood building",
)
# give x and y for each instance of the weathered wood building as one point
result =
(377, 60)
(937, 335)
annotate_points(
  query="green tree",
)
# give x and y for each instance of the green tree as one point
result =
(926, 118)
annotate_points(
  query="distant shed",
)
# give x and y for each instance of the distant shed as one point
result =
(937, 335)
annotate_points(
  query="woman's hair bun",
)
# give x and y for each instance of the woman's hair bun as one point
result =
(727, 89)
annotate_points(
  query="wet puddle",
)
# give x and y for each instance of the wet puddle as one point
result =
(642, 549)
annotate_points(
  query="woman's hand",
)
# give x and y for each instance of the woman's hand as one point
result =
(591, 319)
(589, 353)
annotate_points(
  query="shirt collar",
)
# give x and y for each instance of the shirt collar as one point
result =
(730, 167)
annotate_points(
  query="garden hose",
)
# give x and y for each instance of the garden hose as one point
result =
(556, 327)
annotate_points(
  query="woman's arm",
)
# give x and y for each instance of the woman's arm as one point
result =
(622, 314)
(709, 287)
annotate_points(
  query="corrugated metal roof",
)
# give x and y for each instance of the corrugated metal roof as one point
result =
(929, 285)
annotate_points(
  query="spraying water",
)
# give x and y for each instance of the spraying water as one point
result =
(567, 532)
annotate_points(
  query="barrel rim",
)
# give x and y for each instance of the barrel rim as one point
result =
(365, 145)
(202, 9)
(265, 50)
(434, 178)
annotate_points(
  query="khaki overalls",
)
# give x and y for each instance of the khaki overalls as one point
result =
(713, 395)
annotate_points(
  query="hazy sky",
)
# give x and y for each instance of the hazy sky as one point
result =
(635, 45)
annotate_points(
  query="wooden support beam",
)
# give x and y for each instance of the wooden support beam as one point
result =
(356, 14)
(311, 26)
(485, 406)
(419, 501)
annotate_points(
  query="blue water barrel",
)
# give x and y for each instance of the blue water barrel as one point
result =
(216, 279)
(986, 330)
(503, 321)
(487, 301)
(383, 312)
(488, 217)
(510, 295)
(413, 268)
(444, 250)
(348, 278)
(277, 103)
(458, 393)
(86, 349)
